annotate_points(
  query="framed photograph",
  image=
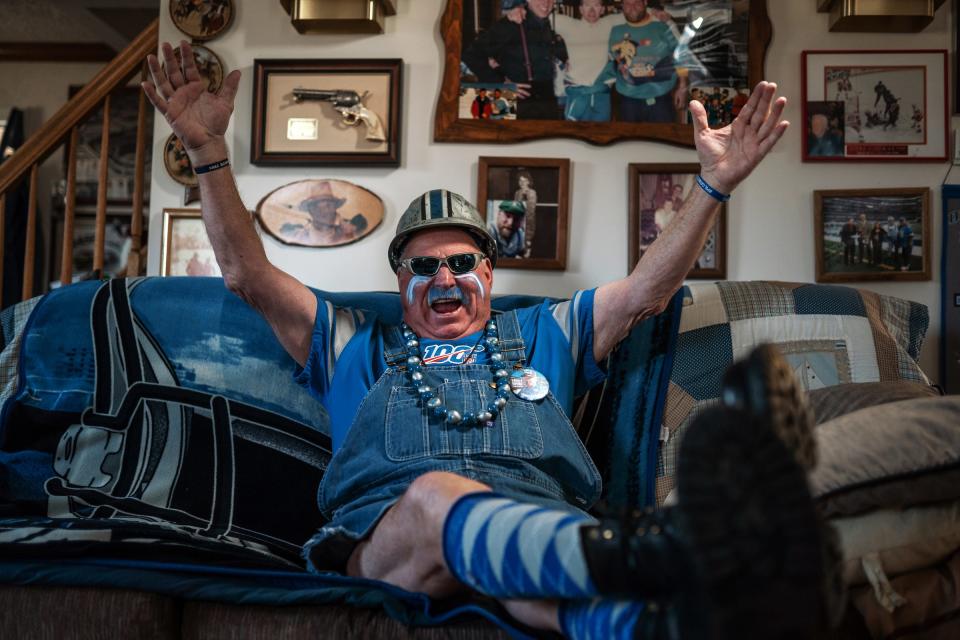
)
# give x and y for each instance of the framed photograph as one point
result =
(326, 112)
(875, 106)
(122, 150)
(185, 249)
(545, 69)
(320, 213)
(872, 234)
(950, 284)
(526, 202)
(656, 192)
(116, 246)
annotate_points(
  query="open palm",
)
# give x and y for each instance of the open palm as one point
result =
(728, 155)
(177, 91)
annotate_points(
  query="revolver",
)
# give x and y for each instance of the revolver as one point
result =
(350, 106)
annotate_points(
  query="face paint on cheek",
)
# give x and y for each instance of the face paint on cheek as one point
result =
(473, 276)
(415, 281)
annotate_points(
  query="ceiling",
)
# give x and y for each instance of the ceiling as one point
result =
(111, 22)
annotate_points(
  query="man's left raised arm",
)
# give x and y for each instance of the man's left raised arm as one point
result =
(727, 156)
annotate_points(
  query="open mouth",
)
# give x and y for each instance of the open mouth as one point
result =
(444, 307)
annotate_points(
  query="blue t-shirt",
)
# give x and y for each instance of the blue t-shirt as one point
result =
(346, 354)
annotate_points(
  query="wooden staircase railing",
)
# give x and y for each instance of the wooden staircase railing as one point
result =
(63, 125)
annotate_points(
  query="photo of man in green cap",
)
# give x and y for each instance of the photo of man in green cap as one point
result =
(507, 229)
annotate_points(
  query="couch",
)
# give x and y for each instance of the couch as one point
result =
(106, 385)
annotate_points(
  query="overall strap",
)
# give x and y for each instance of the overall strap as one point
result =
(511, 340)
(394, 346)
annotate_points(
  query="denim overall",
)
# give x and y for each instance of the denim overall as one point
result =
(530, 452)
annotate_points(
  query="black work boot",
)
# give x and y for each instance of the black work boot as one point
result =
(764, 385)
(742, 553)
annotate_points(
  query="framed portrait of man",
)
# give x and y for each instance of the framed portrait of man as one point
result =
(657, 191)
(526, 204)
(597, 70)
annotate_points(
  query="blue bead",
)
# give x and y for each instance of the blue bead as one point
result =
(440, 412)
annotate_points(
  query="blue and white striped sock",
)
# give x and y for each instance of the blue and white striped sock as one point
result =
(509, 549)
(600, 619)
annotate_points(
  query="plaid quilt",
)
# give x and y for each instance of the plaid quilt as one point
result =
(830, 334)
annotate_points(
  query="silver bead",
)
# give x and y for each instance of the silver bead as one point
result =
(416, 376)
(500, 402)
(506, 388)
(413, 360)
(496, 357)
(493, 341)
(413, 342)
(422, 389)
(433, 403)
(491, 326)
(484, 416)
(500, 373)
(453, 416)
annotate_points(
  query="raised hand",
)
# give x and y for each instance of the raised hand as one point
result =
(728, 155)
(197, 116)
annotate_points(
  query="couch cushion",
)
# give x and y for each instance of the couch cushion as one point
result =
(898, 540)
(832, 402)
(830, 334)
(931, 610)
(891, 456)
(51, 613)
(213, 621)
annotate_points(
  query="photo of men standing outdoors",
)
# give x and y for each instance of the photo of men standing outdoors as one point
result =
(603, 60)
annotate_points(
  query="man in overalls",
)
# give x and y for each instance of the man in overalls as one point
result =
(455, 464)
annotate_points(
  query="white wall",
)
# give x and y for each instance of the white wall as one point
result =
(771, 214)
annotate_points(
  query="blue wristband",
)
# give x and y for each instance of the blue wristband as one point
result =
(713, 193)
(213, 166)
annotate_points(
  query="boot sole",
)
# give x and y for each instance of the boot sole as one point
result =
(754, 533)
(767, 388)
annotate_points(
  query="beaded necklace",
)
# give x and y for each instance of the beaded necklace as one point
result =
(428, 397)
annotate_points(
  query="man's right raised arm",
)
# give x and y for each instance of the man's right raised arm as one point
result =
(200, 118)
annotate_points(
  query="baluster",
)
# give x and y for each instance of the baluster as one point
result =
(70, 202)
(134, 261)
(31, 237)
(102, 177)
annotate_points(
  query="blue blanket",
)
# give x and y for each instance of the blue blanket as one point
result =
(157, 418)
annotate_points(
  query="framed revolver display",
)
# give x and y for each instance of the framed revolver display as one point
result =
(326, 112)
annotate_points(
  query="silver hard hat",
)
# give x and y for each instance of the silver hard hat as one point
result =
(441, 208)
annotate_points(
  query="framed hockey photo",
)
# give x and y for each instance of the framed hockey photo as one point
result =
(326, 112)
(657, 192)
(872, 234)
(877, 106)
(526, 203)
(595, 70)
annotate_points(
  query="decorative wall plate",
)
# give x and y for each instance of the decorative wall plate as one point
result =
(208, 64)
(201, 19)
(320, 213)
(177, 163)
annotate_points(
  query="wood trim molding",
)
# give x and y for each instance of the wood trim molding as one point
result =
(56, 52)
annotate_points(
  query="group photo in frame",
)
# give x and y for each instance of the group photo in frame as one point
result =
(872, 234)
(526, 205)
(326, 112)
(657, 191)
(185, 249)
(875, 106)
(538, 69)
